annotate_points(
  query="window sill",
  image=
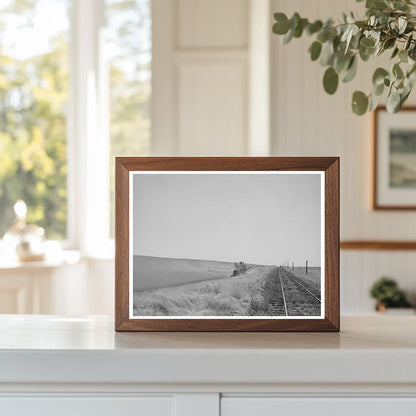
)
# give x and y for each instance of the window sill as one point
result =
(63, 258)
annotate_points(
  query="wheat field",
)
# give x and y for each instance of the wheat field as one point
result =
(229, 296)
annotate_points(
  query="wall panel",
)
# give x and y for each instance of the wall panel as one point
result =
(212, 24)
(212, 108)
(308, 122)
(200, 77)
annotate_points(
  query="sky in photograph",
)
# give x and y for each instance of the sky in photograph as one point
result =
(255, 218)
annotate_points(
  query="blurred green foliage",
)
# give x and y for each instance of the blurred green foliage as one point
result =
(386, 291)
(389, 27)
(129, 35)
(33, 108)
(33, 97)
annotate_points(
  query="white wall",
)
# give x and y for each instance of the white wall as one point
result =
(201, 82)
(211, 90)
(308, 122)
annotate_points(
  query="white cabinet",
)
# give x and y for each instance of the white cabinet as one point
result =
(269, 406)
(37, 287)
(25, 291)
(52, 365)
(67, 286)
(202, 405)
(87, 406)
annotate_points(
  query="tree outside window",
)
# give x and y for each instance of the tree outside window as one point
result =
(34, 102)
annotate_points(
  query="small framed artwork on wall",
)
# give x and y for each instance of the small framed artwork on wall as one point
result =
(227, 244)
(394, 178)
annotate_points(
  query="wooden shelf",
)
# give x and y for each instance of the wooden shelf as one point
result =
(378, 245)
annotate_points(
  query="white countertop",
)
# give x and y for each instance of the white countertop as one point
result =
(53, 349)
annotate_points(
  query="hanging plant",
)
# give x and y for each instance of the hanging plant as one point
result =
(389, 27)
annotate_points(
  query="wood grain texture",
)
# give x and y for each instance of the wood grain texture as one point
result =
(121, 244)
(332, 219)
(330, 165)
(378, 245)
(376, 204)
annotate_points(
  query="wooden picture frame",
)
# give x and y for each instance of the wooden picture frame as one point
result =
(394, 184)
(137, 185)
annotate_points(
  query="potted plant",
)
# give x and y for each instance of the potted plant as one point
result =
(387, 294)
(389, 27)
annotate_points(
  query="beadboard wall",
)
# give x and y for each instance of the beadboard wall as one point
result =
(219, 76)
(305, 121)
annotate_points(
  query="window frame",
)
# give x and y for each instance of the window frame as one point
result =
(88, 137)
(88, 133)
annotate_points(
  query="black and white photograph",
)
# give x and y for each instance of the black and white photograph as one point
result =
(226, 244)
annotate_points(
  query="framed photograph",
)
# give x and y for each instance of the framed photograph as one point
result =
(227, 244)
(395, 159)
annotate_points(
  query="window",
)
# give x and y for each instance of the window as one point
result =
(75, 88)
(129, 46)
(33, 97)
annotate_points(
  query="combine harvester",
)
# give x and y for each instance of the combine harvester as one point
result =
(239, 268)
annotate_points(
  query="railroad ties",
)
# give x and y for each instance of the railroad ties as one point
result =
(278, 307)
(299, 299)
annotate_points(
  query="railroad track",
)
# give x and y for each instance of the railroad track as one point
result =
(279, 307)
(298, 299)
(286, 302)
(302, 286)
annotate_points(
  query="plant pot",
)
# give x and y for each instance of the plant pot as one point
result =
(382, 309)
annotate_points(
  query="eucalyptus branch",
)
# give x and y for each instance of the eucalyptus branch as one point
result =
(389, 25)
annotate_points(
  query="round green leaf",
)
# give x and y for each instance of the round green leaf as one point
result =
(351, 71)
(376, 4)
(397, 71)
(359, 103)
(374, 102)
(403, 96)
(327, 54)
(403, 56)
(322, 36)
(294, 20)
(408, 42)
(288, 37)
(389, 43)
(379, 75)
(314, 27)
(330, 80)
(367, 42)
(281, 27)
(412, 52)
(411, 77)
(342, 61)
(395, 52)
(366, 53)
(378, 90)
(315, 50)
(298, 30)
(412, 70)
(393, 101)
